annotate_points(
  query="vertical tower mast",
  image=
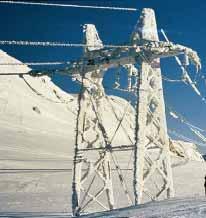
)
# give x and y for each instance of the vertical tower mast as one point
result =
(152, 165)
(92, 182)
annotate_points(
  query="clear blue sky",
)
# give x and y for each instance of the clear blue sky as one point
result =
(183, 20)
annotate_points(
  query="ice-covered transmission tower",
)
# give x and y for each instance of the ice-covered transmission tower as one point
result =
(93, 155)
(95, 152)
(153, 171)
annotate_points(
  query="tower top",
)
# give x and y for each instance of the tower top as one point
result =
(146, 27)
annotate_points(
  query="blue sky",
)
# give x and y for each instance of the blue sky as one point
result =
(184, 22)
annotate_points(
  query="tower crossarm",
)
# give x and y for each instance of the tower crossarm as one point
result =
(160, 49)
(106, 59)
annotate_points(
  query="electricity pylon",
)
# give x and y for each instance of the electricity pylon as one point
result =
(92, 183)
(92, 172)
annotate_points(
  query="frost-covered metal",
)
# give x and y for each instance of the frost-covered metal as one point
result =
(94, 161)
(152, 163)
(93, 150)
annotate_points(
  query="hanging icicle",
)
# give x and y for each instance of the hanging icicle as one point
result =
(132, 76)
(186, 60)
(117, 80)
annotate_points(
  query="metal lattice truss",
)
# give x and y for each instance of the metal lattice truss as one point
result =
(153, 166)
(152, 158)
(94, 184)
(94, 156)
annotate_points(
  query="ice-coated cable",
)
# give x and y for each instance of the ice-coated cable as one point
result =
(68, 5)
(55, 44)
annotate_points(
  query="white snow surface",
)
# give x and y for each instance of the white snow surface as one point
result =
(37, 132)
(173, 208)
(187, 150)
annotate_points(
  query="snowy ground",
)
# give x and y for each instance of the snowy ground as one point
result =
(36, 145)
(173, 208)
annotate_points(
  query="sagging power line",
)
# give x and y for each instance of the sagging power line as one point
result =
(187, 139)
(35, 63)
(68, 5)
(56, 44)
(185, 76)
(193, 128)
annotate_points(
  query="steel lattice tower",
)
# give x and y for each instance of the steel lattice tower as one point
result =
(93, 155)
(153, 171)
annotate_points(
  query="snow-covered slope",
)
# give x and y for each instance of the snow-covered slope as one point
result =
(34, 103)
(174, 208)
(37, 129)
(185, 150)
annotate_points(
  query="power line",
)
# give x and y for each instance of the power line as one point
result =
(194, 129)
(182, 119)
(186, 76)
(36, 169)
(35, 63)
(69, 5)
(171, 80)
(173, 132)
(63, 63)
(47, 169)
(56, 44)
(36, 74)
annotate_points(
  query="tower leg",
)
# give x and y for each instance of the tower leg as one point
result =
(108, 180)
(152, 164)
